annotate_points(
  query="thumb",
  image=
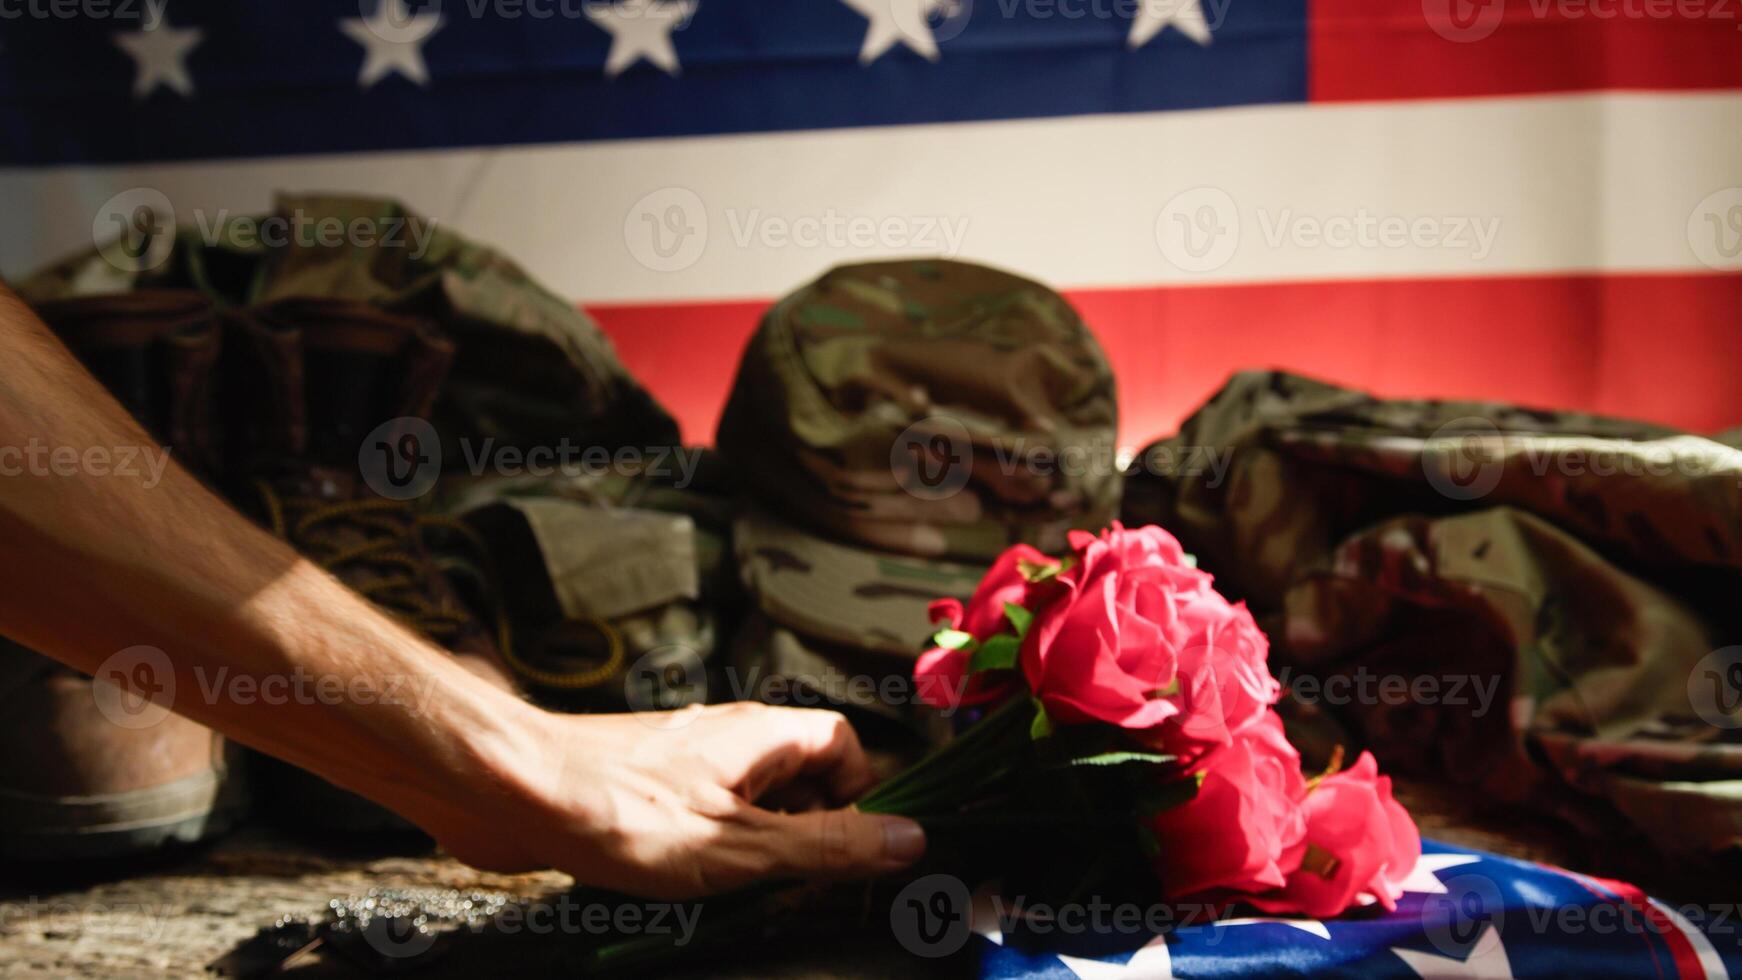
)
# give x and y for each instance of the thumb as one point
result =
(841, 844)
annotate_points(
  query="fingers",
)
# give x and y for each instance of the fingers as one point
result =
(838, 844)
(766, 748)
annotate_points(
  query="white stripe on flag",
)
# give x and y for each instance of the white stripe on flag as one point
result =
(1710, 961)
(1475, 187)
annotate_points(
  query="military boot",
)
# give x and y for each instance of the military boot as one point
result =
(322, 386)
(84, 774)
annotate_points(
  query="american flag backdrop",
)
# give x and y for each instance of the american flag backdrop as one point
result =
(1529, 200)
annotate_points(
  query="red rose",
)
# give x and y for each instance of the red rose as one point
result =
(1359, 846)
(1238, 833)
(1133, 635)
(1224, 684)
(940, 674)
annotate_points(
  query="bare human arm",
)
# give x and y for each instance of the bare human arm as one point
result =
(657, 806)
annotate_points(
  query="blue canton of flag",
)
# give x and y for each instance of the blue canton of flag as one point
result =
(192, 79)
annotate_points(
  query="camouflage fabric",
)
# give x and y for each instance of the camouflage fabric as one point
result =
(897, 425)
(927, 407)
(617, 584)
(532, 368)
(1530, 601)
(842, 595)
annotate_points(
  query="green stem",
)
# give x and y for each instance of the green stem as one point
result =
(962, 758)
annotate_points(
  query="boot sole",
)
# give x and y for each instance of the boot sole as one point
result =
(189, 810)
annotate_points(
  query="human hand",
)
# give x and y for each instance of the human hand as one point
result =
(680, 804)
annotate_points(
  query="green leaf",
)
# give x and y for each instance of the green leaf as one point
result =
(997, 653)
(1044, 571)
(1019, 617)
(951, 639)
(1042, 726)
(1122, 758)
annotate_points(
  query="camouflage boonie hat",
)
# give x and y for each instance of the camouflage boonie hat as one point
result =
(842, 595)
(898, 425)
(928, 407)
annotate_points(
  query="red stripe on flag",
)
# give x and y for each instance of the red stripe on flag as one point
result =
(1657, 922)
(1655, 347)
(1383, 49)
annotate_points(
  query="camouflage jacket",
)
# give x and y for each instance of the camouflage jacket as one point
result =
(1522, 600)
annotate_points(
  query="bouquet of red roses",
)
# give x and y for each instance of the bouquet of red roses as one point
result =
(1122, 656)
(1124, 723)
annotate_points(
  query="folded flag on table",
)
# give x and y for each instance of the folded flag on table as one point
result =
(1463, 914)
